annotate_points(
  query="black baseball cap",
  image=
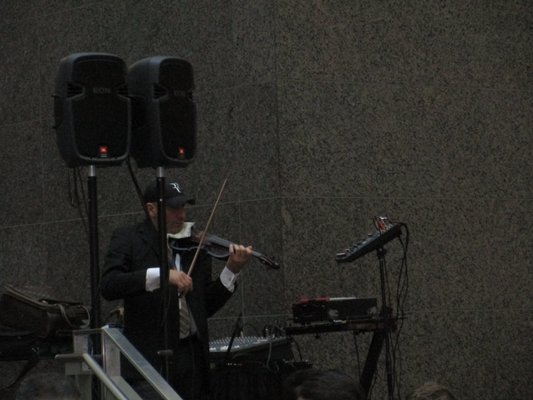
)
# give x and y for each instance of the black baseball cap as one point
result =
(175, 196)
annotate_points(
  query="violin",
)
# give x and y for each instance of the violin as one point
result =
(216, 247)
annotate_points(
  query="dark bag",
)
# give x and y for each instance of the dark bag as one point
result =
(39, 314)
(17, 344)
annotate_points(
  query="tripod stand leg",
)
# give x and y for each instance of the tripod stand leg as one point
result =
(371, 361)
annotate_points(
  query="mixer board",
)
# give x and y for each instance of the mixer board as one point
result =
(251, 348)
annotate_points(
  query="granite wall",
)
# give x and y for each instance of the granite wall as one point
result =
(322, 114)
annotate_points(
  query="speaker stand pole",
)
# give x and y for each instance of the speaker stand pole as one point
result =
(96, 321)
(165, 353)
(386, 321)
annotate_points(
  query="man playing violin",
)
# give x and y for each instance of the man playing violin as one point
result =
(132, 273)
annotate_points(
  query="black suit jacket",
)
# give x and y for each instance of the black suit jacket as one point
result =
(132, 251)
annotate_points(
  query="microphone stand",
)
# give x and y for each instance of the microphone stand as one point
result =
(165, 353)
(236, 329)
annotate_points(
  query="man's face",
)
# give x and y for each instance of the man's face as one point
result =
(175, 217)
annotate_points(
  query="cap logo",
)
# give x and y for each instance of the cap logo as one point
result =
(176, 187)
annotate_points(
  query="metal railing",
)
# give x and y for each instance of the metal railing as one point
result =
(85, 365)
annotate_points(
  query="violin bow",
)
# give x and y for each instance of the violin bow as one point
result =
(202, 237)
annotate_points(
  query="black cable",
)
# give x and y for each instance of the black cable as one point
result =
(389, 349)
(135, 181)
(76, 200)
(401, 296)
(402, 291)
(298, 348)
(83, 196)
(252, 327)
(402, 286)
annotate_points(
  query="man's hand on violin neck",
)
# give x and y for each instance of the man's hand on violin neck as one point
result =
(180, 280)
(239, 256)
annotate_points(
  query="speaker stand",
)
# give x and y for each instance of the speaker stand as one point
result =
(165, 353)
(96, 319)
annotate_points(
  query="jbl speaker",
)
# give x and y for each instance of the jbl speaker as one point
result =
(92, 109)
(164, 113)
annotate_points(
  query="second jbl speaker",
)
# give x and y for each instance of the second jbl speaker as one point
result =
(164, 113)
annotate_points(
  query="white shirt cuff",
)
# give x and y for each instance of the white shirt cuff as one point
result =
(228, 279)
(152, 279)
